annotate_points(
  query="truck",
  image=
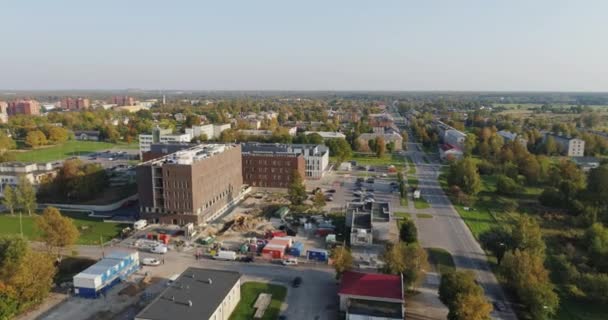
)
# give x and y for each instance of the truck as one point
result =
(225, 255)
(140, 224)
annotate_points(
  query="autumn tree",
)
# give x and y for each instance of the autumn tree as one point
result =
(35, 138)
(464, 174)
(57, 231)
(342, 259)
(410, 260)
(10, 200)
(296, 191)
(57, 134)
(526, 235)
(26, 195)
(380, 147)
(463, 296)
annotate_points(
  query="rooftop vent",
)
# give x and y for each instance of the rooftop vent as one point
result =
(189, 303)
(210, 281)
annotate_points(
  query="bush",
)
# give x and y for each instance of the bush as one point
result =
(551, 197)
(506, 185)
(408, 232)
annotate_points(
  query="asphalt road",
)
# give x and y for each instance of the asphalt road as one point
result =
(447, 230)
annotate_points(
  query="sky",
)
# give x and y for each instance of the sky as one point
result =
(460, 45)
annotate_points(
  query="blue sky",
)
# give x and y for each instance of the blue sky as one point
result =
(305, 45)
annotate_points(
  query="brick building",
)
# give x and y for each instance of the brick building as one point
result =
(123, 101)
(70, 103)
(28, 107)
(191, 185)
(271, 169)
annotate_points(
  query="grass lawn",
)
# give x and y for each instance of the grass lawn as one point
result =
(420, 203)
(441, 259)
(411, 166)
(90, 228)
(66, 150)
(364, 159)
(412, 182)
(574, 310)
(249, 294)
(401, 214)
(424, 216)
(403, 201)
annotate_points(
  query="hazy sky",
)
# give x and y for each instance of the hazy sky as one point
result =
(305, 45)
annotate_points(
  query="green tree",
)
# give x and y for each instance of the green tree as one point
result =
(35, 138)
(525, 273)
(342, 260)
(463, 296)
(550, 146)
(6, 142)
(497, 240)
(10, 200)
(408, 232)
(296, 191)
(410, 260)
(58, 134)
(470, 307)
(464, 174)
(26, 195)
(390, 147)
(528, 236)
(596, 242)
(319, 200)
(506, 185)
(314, 138)
(340, 149)
(470, 143)
(380, 147)
(57, 231)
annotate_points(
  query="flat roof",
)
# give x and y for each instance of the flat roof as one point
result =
(192, 295)
(191, 155)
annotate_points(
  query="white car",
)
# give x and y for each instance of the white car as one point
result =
(160, 249)
(150, 262)
(290, 262)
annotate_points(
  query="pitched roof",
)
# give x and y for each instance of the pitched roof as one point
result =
(371, 285)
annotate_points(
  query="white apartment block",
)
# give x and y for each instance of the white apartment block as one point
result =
(35, 173)
(316, 158)
(212, 131)
(571, 147)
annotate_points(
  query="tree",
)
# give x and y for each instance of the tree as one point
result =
(57, 231)
(340, 149)
(410, 260)
(497, 240)
(550, 147)
(192, 120)
(319, 200)
(296, 191)
(525, 273)
(527, 236)
(470, 143)
(6, 142)
(596, 242)
(35, 138)
(26, 195)
(380, 147)
(342, 260)
(202, 138)
(390, 146)
(58, 134)
(464, 174)
(408, 232)
(10, 200)
(506, 185)
(371, 143)
(314, 138)
(597, 186)
(463, 296)
(470, 307)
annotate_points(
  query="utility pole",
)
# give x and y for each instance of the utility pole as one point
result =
(20, 224)
(103, 254)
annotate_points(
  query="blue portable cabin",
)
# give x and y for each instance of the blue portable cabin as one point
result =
(317, 254)
(296, 249)
(98, 278)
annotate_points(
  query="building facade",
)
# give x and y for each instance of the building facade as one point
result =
(191, 185)
(316, 157)
(396, 138)
(212, 131)
(70, 103)
(123, 101)
(371, 296)
(27, 107)
(3, 112)
(160, 136)
(271, 170)
(35, 173)
(571, 147)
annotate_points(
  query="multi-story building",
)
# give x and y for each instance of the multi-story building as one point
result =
(212, 131)
(381, 120)
(3, 112)
(327, 134)
(571, 147)
(161, 136)
(270, 169)
(158, 150)
(371, 296)
(123, 101)
(316, 157)
(396, 138)
(69, 103)
(35, 173)
(509, 136)
(190, 186)
(27, 107)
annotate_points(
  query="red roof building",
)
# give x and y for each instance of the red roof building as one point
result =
(371, 295)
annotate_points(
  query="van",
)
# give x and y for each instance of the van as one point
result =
(140, 224)
(225, 255)
(160, 249)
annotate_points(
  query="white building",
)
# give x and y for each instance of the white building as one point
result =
(571, 147)
(35, 173)
(212, 131)
(160, 136)
(316, 158)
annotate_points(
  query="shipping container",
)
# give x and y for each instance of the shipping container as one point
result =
(297, 249)
(272, 234)
(281, 242)
(116, 266)
(274, 251)
(317, 254)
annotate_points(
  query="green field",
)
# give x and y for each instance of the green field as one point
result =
(404, 215)
(66, 150)
(424, 216)
(91, 229)
(364, 159)
(249, 293)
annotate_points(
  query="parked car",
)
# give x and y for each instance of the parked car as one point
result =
(290, 262)
(297, 281)
(150, 262)
(246, 259)
(331, 191)
(499, 306)
(329, 198)
(160, 249)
